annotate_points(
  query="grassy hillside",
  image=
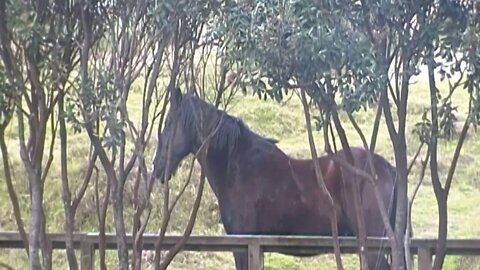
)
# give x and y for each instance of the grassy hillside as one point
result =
(286, 123)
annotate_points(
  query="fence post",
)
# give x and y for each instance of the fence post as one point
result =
(424, 258)
(255, 257)
(87, 255)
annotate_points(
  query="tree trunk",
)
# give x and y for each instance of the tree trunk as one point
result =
(120, 226)
(402, 204)
(66, 195)
(35, 220)
(101, 207)
(440, 249)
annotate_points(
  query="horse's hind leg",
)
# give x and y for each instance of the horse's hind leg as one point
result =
(241, 260)
(377, 261)
(375, 228)
(373, 221)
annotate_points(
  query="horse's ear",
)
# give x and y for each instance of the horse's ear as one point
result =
(176, 95)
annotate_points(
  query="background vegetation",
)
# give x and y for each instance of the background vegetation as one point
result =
(263, 117)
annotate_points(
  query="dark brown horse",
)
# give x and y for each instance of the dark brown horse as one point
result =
(260, 189)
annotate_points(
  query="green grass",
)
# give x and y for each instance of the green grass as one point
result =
(286, 123)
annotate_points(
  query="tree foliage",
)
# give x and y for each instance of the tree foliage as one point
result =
(73, 66)
(284, 44)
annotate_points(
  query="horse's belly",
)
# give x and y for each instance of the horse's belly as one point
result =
(296, 218)
(295, 221)
(302, 220)
(281, 213)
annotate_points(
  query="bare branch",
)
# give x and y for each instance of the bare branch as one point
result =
(419, 149)
(378, 196)
(376, 125)
(101, 210)
(408, 232)
(86, 180)
(321, 182)
(53, 128)
(456, 155)
(188, 230)
(11, 190)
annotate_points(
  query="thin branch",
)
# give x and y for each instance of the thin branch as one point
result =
(415, 158)
(86, 180)
(184, 187)
(175, 69)
(11, 191)
(66, 193)
(6, 266)
(188, 230)
(456, 155)
(54, 126)
(388, 116)
(321, 182)
(101, 210)
(424, 164)
(376, 125)
(361, 230)
(378, 196)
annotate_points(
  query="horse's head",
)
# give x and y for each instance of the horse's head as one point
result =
(188, 120)
(176, 136)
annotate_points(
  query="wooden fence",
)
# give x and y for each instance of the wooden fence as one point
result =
(255, 245)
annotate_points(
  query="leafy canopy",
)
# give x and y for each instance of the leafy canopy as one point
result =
(285, 44)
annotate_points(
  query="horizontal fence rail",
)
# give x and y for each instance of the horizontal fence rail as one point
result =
(255, 245)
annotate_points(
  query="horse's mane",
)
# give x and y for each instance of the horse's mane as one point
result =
(227, 128)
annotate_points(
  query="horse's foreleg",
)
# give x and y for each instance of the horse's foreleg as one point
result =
(241, 260)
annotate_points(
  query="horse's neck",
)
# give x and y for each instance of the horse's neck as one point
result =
(216, 168)
(199, 139)
(220, 163)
